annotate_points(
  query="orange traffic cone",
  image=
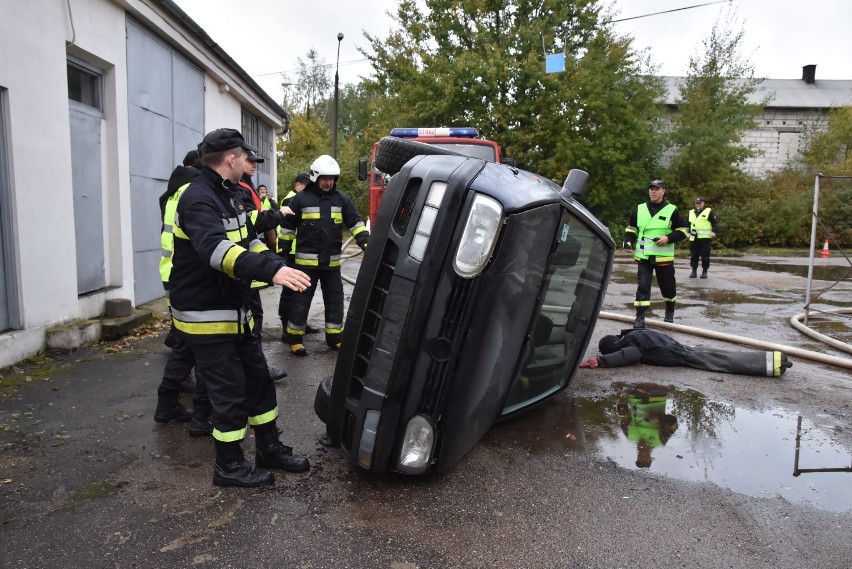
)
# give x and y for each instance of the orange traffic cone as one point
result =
(825, 252)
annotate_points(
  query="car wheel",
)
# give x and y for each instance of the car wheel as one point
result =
(322, 399)
(392, 153)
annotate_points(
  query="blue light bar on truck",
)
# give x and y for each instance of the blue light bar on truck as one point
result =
(455, 132)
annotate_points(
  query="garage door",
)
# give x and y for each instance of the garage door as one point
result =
(166, 107)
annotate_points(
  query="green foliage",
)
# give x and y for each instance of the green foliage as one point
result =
(829, 147)
(480, 63)
(714, 112)
(771, 212)
(835, 212)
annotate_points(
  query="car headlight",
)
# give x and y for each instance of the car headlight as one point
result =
(480, 234)
(417, 445)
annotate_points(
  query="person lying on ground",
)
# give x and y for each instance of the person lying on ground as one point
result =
(653, 348)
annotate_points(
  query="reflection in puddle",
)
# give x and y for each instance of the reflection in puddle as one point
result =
(684, 435)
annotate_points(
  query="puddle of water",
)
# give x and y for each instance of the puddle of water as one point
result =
(821, 272)
(684, 435)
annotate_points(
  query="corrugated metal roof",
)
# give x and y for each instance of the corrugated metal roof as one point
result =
(787, 93)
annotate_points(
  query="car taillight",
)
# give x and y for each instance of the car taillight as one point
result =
(417, 249)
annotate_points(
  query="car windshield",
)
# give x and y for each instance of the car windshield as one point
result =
(570, 291)
(481, 151)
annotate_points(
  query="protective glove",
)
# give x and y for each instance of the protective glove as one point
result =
(591, 362)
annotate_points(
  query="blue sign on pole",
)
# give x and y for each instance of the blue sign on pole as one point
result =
(554, 63)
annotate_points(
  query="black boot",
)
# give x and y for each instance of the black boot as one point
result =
(200, 425)
(640, 317)
(669, 317)
(694, 273)
(169, 408)
(704, 274)
(272, 453)
(232, 469)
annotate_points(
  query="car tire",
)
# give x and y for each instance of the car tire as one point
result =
(322, 399)
(393, 153)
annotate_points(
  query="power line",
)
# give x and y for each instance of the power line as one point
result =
(668, 11)
(342, 63)
(354, 61)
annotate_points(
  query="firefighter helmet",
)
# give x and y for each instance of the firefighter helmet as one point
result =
(325, 165)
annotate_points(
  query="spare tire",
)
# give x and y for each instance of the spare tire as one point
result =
(392, 153)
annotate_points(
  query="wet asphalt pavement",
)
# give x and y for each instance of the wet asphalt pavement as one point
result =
(87, 479)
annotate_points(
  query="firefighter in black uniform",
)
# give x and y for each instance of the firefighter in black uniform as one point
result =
(176, 375)
(654, 227)
(216, 257)
(266, 222)
(288, 249)
(653, 348)
(320, 212)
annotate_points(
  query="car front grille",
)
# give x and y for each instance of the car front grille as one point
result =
(451, 335)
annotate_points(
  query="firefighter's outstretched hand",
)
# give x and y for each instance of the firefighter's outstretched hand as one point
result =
(292, 279)
(591, 362)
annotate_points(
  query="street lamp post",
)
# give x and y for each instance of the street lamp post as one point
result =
(336, 98)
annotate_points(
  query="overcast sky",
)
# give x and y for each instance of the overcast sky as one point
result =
(265, 37)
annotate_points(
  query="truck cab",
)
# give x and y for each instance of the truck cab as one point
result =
(460, 140)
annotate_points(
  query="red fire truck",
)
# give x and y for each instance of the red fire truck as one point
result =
(462, 140)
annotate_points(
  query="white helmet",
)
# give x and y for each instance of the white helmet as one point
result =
(325, 165)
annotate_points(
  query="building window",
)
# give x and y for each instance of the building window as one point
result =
(259, 134)
(85, 85)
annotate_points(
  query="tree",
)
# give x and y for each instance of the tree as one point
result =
(828, 151)
(828, 148)
(480, 63)
(311, 84)
(714, 111)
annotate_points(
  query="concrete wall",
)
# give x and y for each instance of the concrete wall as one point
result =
(777, 139)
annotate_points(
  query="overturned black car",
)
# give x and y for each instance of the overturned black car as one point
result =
(475, 300)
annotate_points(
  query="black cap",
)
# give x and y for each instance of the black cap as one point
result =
(224, 139)
(190, 158)
(699, 199)
(255, 157)
(657, 184)
(303, 177)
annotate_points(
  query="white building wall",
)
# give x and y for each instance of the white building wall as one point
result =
(36, 38)
(33, 72)
(221, 110)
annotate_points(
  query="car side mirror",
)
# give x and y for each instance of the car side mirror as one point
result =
(510, 162)
(575, 184)
(362, 170)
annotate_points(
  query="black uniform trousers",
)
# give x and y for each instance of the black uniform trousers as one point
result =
(332, 296)
(284, 304)
(178, 366)
(700, 248)
(665, 280)
(239, 385)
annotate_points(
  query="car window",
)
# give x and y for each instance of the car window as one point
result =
(570, 292)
